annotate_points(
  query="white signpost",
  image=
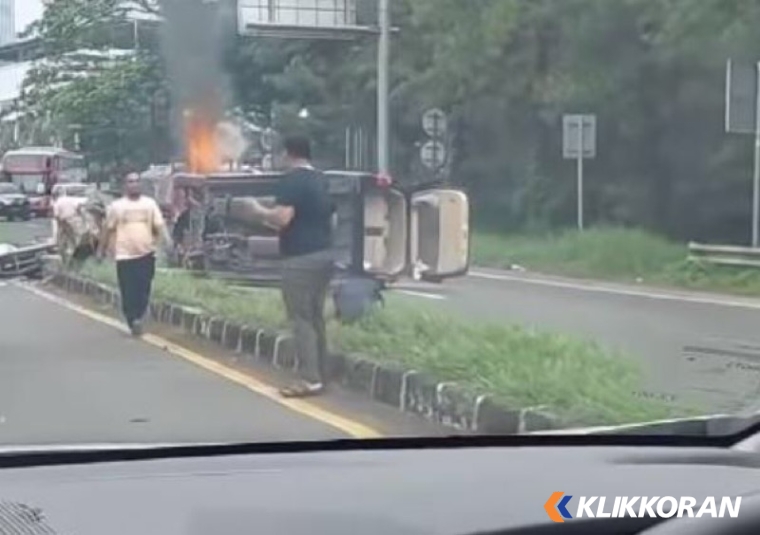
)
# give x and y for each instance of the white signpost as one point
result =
(433, 152)
(579, 143)
(742, 117)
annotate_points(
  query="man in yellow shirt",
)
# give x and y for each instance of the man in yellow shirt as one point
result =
(133, 228)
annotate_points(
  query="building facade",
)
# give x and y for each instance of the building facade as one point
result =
(7, 22)
(309, 13)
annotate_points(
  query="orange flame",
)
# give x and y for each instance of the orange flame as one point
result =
(201, 142)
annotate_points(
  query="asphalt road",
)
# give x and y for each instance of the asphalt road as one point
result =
(695, 349)
(699, 349)
(66, 378)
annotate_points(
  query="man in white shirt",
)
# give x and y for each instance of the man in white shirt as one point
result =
(65, 214)
(133, 227)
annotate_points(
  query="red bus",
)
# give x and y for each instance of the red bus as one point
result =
(37, 169)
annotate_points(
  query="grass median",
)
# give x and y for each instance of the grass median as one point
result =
(615, 254)
(574, 378)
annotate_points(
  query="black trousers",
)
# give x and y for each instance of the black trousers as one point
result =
(135, 278)
(305, 281)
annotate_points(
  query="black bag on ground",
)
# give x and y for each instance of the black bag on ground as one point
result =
(356, 296)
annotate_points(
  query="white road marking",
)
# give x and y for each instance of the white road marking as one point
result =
(647, 294)
(422, 294)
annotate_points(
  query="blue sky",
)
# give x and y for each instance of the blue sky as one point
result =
(26, 12)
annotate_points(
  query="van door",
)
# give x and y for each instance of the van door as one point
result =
(439, 233)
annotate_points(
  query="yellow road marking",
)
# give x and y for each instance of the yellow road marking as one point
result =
(247, 380)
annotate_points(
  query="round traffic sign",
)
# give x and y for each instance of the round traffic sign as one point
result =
(434, 122)
(433, 154)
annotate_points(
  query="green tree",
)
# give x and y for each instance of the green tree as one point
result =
(93, 86)
(504, 70)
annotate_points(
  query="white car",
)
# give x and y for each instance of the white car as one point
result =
(73, 190)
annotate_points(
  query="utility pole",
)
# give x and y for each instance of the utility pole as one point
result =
(383, 68)
(756, 171)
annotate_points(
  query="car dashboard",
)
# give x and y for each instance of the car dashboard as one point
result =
(406, 491)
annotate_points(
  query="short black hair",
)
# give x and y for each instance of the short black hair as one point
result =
(298, 147)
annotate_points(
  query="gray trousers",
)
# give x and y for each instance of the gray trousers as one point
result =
(305, 281)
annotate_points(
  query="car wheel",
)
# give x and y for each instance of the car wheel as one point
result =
(27, 216)
(10, 218)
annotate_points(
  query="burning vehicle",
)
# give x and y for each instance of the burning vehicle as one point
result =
(382, 232)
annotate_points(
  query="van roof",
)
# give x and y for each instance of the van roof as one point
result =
(41, 150)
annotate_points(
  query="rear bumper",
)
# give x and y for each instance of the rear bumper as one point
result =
(24, 261)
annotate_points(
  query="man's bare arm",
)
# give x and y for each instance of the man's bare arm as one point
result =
(104, 242)
(160, 228)
(277, 217)
(106, 234)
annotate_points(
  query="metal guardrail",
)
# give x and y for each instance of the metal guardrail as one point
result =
(725, 255)
(24, 261)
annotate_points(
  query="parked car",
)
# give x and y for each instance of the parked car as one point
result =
(39, 202)
(73, 189)
(13, 203)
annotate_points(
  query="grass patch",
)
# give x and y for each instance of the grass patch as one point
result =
(576, 379)
(626, 255)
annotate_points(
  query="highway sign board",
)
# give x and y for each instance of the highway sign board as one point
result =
(578, 131)
(579, 143)
(741, 98)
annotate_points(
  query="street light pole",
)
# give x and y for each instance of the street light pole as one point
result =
(383, 67)
(756, 171)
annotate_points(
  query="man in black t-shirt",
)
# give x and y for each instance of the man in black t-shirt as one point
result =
(303, 215)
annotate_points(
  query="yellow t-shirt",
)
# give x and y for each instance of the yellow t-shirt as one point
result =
(137, 225)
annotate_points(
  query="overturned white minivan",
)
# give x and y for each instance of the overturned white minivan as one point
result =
(383, 231)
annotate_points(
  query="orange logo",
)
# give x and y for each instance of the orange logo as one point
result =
(556, 507)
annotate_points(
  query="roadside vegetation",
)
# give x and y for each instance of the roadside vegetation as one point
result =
(576, 379)
(614, 254)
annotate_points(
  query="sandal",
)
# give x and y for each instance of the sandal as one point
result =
(302, 390)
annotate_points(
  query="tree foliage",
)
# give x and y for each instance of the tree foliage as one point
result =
(93, 85)
(505, 71)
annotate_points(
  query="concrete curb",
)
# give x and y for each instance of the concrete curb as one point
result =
(709, 425)
(407, 390)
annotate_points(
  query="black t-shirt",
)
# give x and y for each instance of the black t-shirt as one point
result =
(310, 230)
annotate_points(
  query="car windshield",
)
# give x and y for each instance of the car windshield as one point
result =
(315, 219)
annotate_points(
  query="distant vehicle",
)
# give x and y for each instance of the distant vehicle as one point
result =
(13, 203)
(73, 190)
(36, 170)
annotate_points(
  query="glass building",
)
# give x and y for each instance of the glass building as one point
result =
(7, 22)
